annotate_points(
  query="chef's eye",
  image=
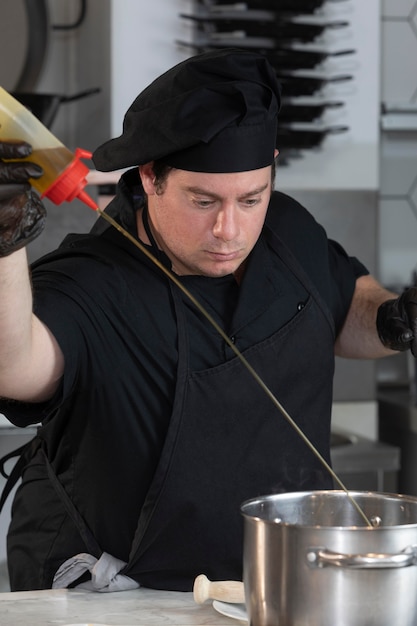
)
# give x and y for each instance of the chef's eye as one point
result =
(251, 201)
(204, 204)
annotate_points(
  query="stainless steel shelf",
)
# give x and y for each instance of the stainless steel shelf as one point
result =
(399, 117)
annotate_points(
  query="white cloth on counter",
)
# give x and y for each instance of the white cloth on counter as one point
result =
(104, 571)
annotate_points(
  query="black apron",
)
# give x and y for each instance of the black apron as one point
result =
(227, 442)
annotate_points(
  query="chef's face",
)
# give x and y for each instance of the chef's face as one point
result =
(207, 224)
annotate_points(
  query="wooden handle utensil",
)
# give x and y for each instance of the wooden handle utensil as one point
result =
(223, 590)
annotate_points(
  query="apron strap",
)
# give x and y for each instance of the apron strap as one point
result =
(81, 525)
(25, 453)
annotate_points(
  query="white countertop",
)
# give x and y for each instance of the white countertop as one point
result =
(143, 607)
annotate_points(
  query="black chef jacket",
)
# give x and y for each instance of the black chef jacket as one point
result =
(105, 427)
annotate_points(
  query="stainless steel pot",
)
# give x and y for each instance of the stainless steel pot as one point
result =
(309, 559)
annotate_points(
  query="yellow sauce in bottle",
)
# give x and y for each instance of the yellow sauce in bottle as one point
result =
(53, 161)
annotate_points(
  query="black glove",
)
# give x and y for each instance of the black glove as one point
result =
(396, 322)
(22, 214)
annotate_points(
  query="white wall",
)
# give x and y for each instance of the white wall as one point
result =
(142, 47)
(398, 201)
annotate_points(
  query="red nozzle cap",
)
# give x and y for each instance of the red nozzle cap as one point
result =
(70, 184)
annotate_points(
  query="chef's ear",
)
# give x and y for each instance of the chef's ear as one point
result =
(148, 178)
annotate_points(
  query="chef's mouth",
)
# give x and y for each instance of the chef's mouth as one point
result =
(225, 256)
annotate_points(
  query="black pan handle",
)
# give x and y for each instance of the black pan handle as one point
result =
(338, 53)
(81, 94)
(335, 130)
(338, 79)
(336, 104)
(336, 24)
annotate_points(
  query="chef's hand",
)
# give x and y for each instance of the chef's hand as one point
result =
(22, 214)
(397, 322)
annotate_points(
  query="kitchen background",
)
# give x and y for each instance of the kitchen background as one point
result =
(361, 183)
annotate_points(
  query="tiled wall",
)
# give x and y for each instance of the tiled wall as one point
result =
(397, 243)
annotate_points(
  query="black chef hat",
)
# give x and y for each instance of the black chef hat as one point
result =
(214, 112)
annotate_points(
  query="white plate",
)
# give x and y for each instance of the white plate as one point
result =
(235, 611)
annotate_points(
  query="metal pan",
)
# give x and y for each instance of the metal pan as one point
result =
(293, 58)
(293, 6)
(281, 58)
(299, 85)
(278, 30)
(292, 138)
(295, 112)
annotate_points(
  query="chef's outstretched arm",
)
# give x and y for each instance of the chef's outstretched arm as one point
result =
(379, 322)
(31, 362)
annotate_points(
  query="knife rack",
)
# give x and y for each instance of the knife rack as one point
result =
(304, 42)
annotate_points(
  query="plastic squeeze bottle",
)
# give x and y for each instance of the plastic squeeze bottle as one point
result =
(64, 176)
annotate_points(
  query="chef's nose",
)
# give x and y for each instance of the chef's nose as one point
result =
(226, 226)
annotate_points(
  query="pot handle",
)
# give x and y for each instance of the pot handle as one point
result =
(321, 557)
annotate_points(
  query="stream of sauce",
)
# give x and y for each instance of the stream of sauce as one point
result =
(372, 522)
